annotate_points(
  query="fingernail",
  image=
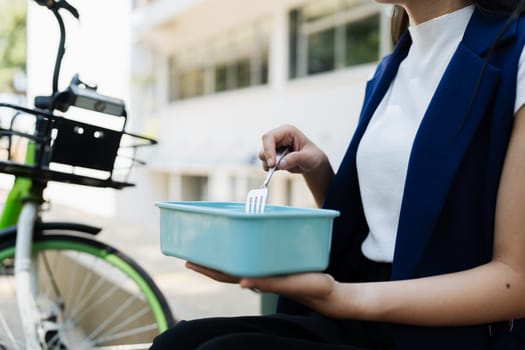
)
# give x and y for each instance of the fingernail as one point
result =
(269, 161)
(282, 164)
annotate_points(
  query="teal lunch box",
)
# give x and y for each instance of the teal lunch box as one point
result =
(221, 236)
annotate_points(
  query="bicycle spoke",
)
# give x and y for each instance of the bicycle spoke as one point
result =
(9, 334)
(78, 307)
(112, 331)
(128, 333)
(128, 321)
(100, 300)
(80, 293)
(110, 319)
(72, 283)
(77, 304)
(51, 277)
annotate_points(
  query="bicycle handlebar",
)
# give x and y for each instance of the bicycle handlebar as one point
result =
(55, 5)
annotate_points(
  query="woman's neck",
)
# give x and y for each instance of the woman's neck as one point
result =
(421, 11)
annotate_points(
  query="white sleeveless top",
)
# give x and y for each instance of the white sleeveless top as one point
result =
(384, 150)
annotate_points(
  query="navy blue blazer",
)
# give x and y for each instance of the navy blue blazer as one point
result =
(447, 214)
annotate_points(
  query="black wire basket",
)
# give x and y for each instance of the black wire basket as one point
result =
(46, 147)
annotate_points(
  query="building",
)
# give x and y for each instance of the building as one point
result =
(211, 76)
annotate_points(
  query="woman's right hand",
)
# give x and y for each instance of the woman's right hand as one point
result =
(304, 155)
(304, 158)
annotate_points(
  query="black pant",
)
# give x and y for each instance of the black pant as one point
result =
(275, 332)
(281, 331)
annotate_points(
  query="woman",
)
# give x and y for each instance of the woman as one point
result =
(429, 250)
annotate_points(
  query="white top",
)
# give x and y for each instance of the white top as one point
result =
(384, 150)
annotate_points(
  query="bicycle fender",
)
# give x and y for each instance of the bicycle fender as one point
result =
(10, 232)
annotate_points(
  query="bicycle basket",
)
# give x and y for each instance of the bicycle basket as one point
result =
(47, 147)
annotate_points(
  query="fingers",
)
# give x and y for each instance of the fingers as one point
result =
(285, 135)
(309, 285)
(211, 273)
(290, 161)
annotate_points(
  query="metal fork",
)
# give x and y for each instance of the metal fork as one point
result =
(256, 198)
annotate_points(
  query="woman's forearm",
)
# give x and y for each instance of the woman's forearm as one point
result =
(488, 293)
(319, 180)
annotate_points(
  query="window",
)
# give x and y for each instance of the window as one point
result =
(194, 188)
(326, 35)
(191, 83)
(221, 77)
(362, 41)
(321, 52)
(234, 60)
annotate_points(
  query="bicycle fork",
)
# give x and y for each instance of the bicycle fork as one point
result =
(25, 278)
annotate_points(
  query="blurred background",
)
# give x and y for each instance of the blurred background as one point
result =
(206, 78)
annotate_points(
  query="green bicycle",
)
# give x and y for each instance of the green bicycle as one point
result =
(61, 287)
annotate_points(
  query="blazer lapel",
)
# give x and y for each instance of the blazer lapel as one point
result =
(443, 138)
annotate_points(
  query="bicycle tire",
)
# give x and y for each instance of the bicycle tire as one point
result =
(94, 296)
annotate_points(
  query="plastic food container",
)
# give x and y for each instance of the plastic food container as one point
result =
(220, 235)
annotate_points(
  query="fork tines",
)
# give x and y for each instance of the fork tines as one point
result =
(256, 201)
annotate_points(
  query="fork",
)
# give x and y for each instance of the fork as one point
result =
(256, 198)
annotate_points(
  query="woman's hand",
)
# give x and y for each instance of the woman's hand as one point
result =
(304, 155)
(305, 158)
(213, 274)
(304, 285)
(318, 291)
(297, 286)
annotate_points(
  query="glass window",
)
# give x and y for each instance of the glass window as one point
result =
(326, 35)
(242, 73)
(191, 83)
(362, 41)
(194, 188)
(262, 69)
(233, 60)
(172, 82)
(221, 78)
(321, 51)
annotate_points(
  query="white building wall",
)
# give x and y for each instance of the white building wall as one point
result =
(219, 135)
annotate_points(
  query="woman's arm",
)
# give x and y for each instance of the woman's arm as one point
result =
(491, 292)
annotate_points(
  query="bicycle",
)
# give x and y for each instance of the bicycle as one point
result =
(72, 290)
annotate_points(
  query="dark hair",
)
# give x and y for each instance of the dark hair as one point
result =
(399, 24)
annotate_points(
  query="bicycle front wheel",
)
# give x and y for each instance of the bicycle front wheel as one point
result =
(88, 293)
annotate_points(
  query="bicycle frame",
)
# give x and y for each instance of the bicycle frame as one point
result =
(21, 208)
(22, 189)
(25, 284)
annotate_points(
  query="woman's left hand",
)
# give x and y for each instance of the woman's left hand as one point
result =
(298, 286)
(213, 274)
(304, 286)
(318, 291)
